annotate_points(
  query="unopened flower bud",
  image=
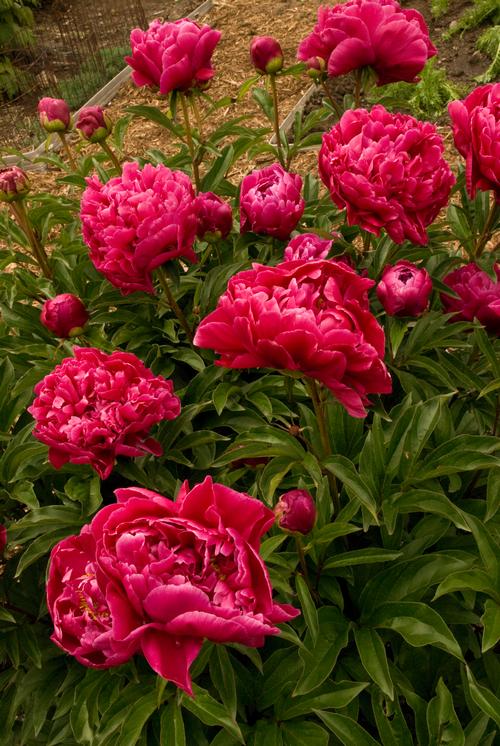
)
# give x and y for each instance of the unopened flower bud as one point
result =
(94, 124)
(65, 315)
(214, 216)
(14, 184)
(296, 511)
(316, 68)
(404, 289)
(266, 55)
(54, 114)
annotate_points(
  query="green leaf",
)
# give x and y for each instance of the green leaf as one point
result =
(372, 653)
(483, 698)
(417, 623)
(347, 730)
(222, 675)
(338, 695)
(308, 607)
(492, 494)
(491, 625)
(354, 484)
(369, 556)
(391, 724)
(172, 725)
(468, 580)
(156, 115)
(264, 441)
(442, 721)
(318, 660)
(218, 169)
(426, 501)
(462, 453)
(265, 101)
(136, 718)
(330, 532)
(302, 733)
(211, 712)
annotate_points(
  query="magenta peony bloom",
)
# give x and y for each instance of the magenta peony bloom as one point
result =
(476, 130)
(479, 296)
(95, 407)
(14, 184)
(154, 576)
(173, 56)
(388, 170)
(54, 114)
(296, 511)
(271, 202)
(307, 246)
(65, 315)
(94, 124)
(215, 217)
(266, 55)
(393, 41)
(404, 289)
(311, 317)
(138, 221)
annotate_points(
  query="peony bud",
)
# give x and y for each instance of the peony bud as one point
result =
(316, 68)
(266, 55)
(14, 184)
(296, 511)
(94, 124)
(54, 114)
(404, 289)
(65, 315)
(214, 217)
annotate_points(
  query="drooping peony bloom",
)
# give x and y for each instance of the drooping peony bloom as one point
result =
(404, 289)
(94, 124)
(307, 246)
(65, 315)
(479, 296)
(14, 184)
(266, 55)
(476, 130)
(154, 576)
(54, 114)
(138, 221)
(174, 56)
(296, 511)
(271, 202)
(381, 34)
(94, 407)
(311, 317)
(215, 217)
(388, 170)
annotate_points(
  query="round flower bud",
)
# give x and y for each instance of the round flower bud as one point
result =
(54, 114)
(14, 184)
(94, 124)
(214, 217)
(271, 202)
(296, 511)
(404, 289)
(266, 55)
(65, 315)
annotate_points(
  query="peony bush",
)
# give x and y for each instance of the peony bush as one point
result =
(250, 414)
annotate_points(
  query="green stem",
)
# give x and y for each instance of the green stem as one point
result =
(367, 237)
(487, 231)
(303, 565)
(189, 137)
(335, 106)
(104, 145)
(277, 134)
(174, 305)
(325, 440)
(197, 116)
(67, 150)
(19, 210)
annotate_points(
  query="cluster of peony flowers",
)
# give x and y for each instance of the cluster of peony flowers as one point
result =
(478, 296)
(476, 131)
(138, 221)
(94, 407)
(311, 317)
(388, 170)
(158, 577)
(174, 56)
(404, 289)
(393, 41)
(271, 202)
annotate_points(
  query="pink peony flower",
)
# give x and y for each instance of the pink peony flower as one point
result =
(307, 246)
(404, 289)
(14, 184)
(54, 114)
(154, 576)
(215, 217)
(271, 202)
(173, 56)
(388, 170)
(393, 41)
(94, 124)
(138, 221)
(479, 296)
(296, 511)
(476, 130)
(311, 317)
(95, 407)
(266, 55)
(65, 315)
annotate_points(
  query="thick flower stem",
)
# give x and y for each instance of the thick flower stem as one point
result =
(277, 134)
(335, 106)
(104, 145)
(189, 137)
(37, 249)
(487, 231)
(325, 440)
(174, 305)
(67, 150)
